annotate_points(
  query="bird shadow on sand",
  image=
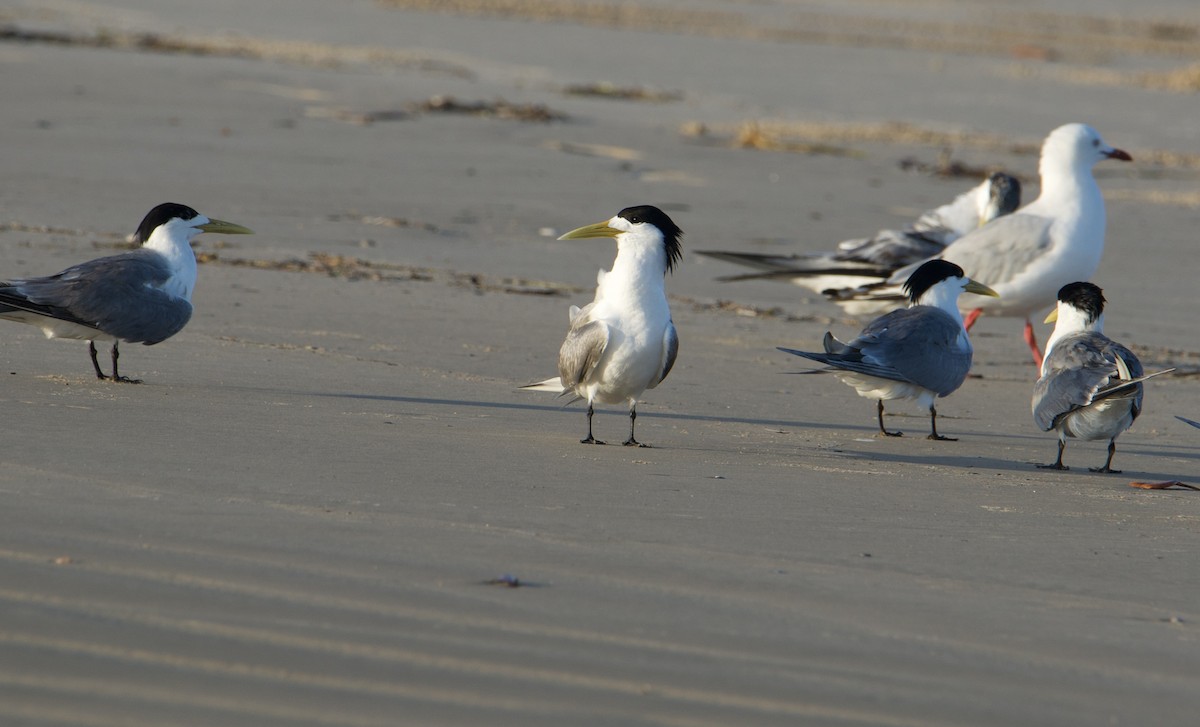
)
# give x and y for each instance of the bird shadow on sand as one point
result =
(1024, 467)
(615, 411)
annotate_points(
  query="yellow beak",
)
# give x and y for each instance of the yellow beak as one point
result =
(600, 229)
(979, 289)
(1052, 317)
(228, 228)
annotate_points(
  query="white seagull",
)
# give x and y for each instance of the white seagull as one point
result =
(874, 259)
(1091, 386)
(921, 352)
(623, 342)
(143, 296)
(1028, 255)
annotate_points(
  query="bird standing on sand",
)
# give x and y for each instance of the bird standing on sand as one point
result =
(873, 259)
(921, 352)
(143, 296)
(623, 342)
(1091, 386)
(1054, 240)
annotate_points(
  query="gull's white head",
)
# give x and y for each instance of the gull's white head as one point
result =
(638, 228)
(939, 283)
(1077, 146)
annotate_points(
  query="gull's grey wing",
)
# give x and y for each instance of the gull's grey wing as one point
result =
(670, 350)
(921, 343)
(581, 351)
(1081, 370)
(996, 253)
(119, 295)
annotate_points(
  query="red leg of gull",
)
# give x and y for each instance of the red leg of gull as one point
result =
(971, 318)
(1031, 339)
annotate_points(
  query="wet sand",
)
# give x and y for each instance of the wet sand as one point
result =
(297, 519)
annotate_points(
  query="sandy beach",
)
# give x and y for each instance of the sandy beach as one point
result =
(314, 509)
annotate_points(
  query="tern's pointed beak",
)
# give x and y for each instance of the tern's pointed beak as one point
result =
(1052, 316)
(1120, 154)
(979, 289)
(600, 229)
(228, 228)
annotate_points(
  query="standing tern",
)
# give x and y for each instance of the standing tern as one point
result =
(143, 296)
(921, 352)
(1091, 386)
(875, 258)
(1028, 255)
(624, 341)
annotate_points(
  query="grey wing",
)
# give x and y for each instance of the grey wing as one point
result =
(670, 350)
(1129, 368)
(119, 295)
(921, 344)
(998, 252)
(892, 248)
(581, 352)
(957, 217)
(1083, 369)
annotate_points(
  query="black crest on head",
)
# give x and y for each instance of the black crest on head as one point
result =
(929, 275)
(161, 215)
(1085, 297)
(670, 231)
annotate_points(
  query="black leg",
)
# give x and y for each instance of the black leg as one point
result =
(95, 364)
(590, 439)
(883, 431)
(1107, 468)
(933, 426)
(117, 377)
(1058, 465)
(631, 442)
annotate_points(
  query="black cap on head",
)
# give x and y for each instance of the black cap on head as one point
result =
(670, 231)
(1085, 297)
(929, 275)
(161, 215)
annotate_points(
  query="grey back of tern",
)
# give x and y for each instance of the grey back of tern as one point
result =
(921, 352)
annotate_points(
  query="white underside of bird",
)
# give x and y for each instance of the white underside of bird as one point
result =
(633, 331)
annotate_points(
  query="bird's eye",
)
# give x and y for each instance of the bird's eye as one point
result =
(635, 219)
(1095, 142)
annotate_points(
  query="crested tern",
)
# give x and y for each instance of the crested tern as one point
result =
(143, 296)
(1028, 255)
(875, 258)
(624, 341)
(1091, 386)
(921, 352)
